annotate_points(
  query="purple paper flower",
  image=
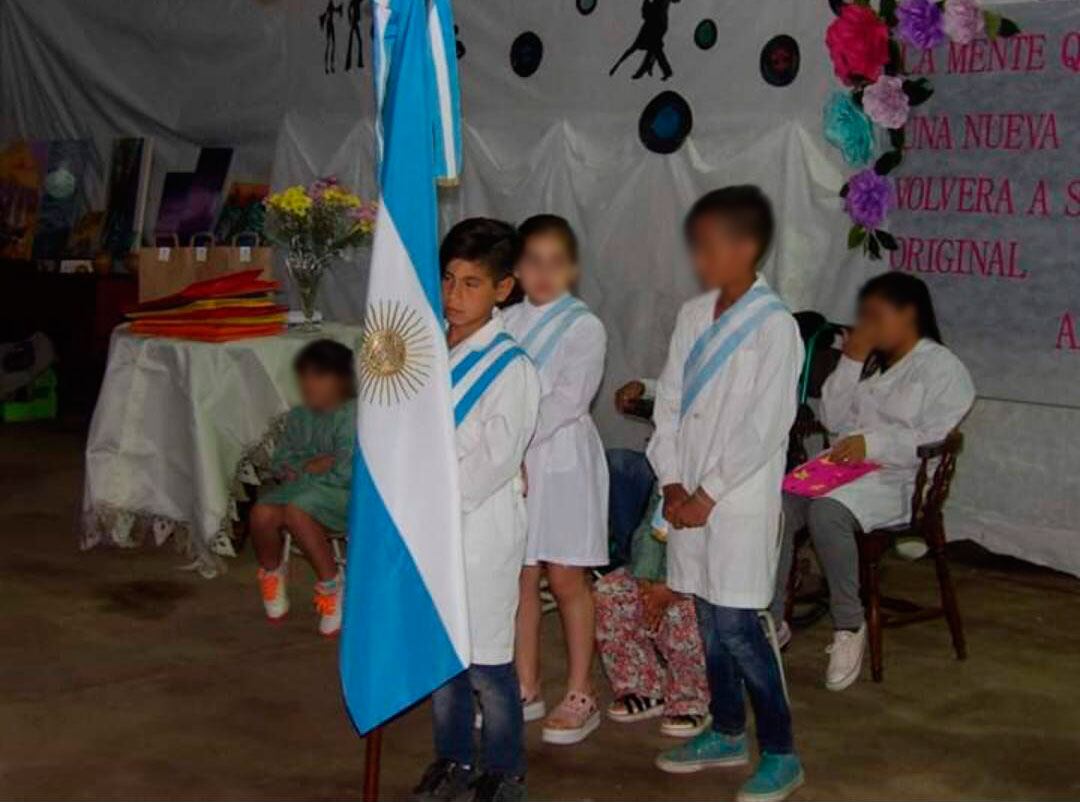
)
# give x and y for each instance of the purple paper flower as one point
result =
(886, 103)
(869, 199)
(963, 21)
(920, 23)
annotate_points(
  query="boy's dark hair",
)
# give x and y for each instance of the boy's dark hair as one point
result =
(326, 356)
(492, 243)
(550, 224)
(744, 208)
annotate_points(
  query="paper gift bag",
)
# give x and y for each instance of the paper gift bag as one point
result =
(246, 253)
(165, 268)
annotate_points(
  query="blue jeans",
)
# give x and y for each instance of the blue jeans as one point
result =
(738, 654)
(632, 481)
(503, 733)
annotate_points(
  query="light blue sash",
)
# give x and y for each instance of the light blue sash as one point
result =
(476, 380)
(555, 323)
(714, 347)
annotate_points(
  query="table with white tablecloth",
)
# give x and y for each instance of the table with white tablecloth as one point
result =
(179, 429)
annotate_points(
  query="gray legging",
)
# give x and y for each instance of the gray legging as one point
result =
(832, 529)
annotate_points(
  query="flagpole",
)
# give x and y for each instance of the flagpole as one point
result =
(372, 764)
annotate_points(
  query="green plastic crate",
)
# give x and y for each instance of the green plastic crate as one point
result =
(35, 402)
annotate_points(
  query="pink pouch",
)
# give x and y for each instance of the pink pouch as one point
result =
(821, 475)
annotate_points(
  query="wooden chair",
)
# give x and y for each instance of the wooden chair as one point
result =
(932, 483)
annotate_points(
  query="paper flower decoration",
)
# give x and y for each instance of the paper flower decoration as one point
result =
(848, 129)
(858, 43)
(886, 103)
(869, 199)
(963, 21)
(920, 23)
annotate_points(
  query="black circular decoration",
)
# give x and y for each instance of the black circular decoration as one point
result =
(705, 34)
(837, 5)
(526, 54)
(665, 123)
(460, 45)
(586, 7)
(780, 60)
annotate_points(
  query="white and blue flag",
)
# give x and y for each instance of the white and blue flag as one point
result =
(406, 621)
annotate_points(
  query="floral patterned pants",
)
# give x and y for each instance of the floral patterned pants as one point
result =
(667, 663)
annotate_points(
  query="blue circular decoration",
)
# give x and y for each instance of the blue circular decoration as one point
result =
(780, 60)
(526, 54)
(706, 34)
(586, 7)
(665, 123)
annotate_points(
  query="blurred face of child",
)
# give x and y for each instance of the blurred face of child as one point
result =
(546, 269)
(720, 254)
(887, 327)
(469, 293)
(321, 390)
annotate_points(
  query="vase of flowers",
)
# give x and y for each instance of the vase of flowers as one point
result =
(315, 224)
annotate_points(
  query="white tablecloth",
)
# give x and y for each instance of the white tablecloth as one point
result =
(178, 429)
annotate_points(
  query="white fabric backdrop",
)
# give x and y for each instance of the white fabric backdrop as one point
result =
(195, 72)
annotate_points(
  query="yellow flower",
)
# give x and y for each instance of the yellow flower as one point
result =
(294, 201)
(338, 196)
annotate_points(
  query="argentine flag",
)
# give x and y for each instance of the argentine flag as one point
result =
(405, 629)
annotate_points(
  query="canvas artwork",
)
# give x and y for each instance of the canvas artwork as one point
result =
(64, 195)
(22, 171)
(129, 180)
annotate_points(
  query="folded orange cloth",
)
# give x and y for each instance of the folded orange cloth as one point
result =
(243, 320)
(207, 333)
(265, 314)
(215, 307)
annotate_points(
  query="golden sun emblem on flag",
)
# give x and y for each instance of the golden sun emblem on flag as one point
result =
(395, 353)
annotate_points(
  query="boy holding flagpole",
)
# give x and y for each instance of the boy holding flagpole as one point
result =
(496, 395)
(724, 405)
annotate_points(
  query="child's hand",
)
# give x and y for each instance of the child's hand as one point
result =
(695, 511)
(675, 496)
(850, 450)
(319, 465)
(858, 343)
(628, 395)
(656, 597)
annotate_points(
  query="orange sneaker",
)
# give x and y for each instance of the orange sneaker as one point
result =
(328, 604)
(272, 589)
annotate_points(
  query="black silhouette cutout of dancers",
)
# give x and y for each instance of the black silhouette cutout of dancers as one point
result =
(354, 36)
(326, 23)
(650, 38)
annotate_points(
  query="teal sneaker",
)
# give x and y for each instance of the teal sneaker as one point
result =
(708, 750)
(774, 780)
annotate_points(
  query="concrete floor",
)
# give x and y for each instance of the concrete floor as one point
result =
(122, 677)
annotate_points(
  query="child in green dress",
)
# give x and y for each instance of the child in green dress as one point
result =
(309, 494)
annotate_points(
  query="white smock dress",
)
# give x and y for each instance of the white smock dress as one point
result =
(566, 467)
(731, 441)
(915, 402)
(491, 440)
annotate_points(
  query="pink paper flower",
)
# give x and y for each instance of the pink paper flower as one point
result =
(963, 21)
(885, 102)
(858, 43)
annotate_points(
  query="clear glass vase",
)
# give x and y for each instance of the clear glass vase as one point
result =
(305, 272)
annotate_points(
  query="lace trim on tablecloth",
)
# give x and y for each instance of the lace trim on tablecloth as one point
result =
(127, 528)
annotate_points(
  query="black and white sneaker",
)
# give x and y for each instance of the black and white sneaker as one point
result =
(685, 726)
(632, 707)
(443, 781)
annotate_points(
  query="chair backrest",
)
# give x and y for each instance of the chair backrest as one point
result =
(821, 359)
(937, 465)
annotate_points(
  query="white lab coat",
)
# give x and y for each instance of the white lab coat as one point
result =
(491, 443)
(567, 471)
(733, 444)
(917, 401)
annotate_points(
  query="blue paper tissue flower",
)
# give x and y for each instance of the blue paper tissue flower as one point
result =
(848, 129)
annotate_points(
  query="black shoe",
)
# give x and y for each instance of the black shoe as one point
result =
(491, 787)
(444, 781)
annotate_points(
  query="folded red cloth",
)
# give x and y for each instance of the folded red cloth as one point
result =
(234, 285)
(218, 312)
